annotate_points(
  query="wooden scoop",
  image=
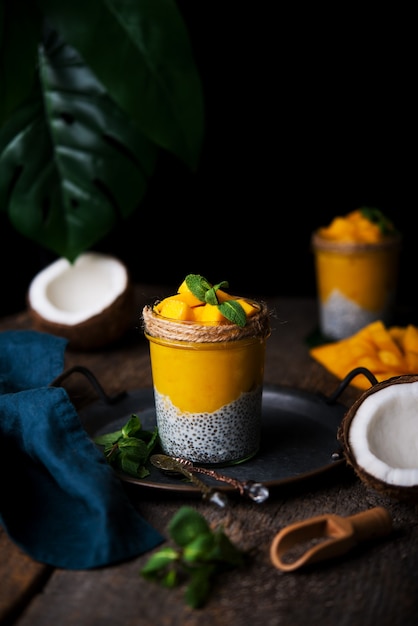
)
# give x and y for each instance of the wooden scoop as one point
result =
(325, 537)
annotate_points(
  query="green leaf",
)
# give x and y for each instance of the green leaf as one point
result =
(233, 311)
(108, 439)
(129, 464)
(222, 285)
(170, 579)
(376, 216)
(133, 445)
(199, 548)
(132, 426)
(129, 448)
(142, 472)
(20, 32)
(84, 112)
(211, 297)
(158, 562)
(140, 50)
(225, 552)
(132, 457)
(202, 554)
(198, 590)
(73, 167)
(198, 285)
(186, 525)
(152, 439)
(205, 292)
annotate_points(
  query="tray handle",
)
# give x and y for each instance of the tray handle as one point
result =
(347, 380)
(80, 369)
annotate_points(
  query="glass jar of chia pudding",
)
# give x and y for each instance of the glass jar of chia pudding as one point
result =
(208, 381)
(356, 283)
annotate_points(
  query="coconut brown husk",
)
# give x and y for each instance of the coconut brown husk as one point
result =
(398, 492)
(96, 332)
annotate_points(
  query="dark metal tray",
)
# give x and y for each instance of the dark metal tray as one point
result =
(298, 437)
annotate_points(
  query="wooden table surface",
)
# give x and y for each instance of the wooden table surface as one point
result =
(375, 584)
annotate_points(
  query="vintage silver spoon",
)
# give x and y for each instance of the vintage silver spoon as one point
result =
(254, 490)
(167, 463)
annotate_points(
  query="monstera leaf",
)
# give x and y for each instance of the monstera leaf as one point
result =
(72, 163)
(20, 29)
(115, 81)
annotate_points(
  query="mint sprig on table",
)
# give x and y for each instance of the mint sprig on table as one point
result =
(205, 292)
(129, 448)
(200, 554)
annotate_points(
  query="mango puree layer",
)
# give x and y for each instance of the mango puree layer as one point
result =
(367, 277)
(203, 377)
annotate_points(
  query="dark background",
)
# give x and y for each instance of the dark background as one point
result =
(310, 114)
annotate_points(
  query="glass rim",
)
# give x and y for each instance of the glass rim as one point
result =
(319, 243)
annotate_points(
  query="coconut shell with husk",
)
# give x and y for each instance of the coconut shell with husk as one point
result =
(89, 302)
(379, 437)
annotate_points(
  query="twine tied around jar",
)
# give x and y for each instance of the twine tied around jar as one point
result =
(258, 325)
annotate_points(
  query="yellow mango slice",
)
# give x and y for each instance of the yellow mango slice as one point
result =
(410, 339)
(183, 288)
(365, 230)
(184, 305)
(374, 364)
(208, 313)
(381, 376)
(353, 227)
(386, 352)
(176, 310)
(411, 359)
(397, 333)
(361, 346)
(250, 309)
(339, 230)
(223, 296)
(382, 338)
(389, 359)
(335, 357)
(220, 294)
(186, 297)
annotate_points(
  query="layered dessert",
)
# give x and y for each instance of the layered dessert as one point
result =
(207, 351)
(356, 261)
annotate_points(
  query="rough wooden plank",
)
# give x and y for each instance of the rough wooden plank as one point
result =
(20, 577)
(359, 588)
(373, 584)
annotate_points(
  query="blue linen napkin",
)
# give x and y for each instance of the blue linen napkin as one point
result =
(60, 501)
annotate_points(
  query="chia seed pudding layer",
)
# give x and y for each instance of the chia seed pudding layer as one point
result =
(227, 436)
(340, 317)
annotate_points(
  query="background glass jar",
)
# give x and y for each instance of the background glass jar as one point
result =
(356, 284)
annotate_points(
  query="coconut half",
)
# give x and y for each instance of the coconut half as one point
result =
(89, 302)
(379, 437)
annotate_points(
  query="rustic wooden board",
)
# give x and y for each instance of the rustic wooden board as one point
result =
(374, 585)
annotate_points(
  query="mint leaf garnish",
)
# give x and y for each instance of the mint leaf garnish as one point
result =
(129, 448)
(198, 285)
(132, 426)
(211, 297)
(377, 217)
(233, 311)
(222, 285)
(205, 292)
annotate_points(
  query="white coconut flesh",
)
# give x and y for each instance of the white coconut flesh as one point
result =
(70, 294)
(383, 434)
